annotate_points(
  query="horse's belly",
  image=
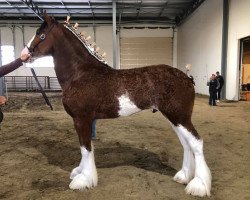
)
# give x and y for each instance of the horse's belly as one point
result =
(126, 106)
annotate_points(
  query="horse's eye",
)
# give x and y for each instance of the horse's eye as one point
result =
(42, 36)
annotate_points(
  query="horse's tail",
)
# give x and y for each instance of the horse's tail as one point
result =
(192, 79)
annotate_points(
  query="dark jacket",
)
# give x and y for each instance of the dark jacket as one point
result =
(213, 85)
(221, 80)
(5, 69)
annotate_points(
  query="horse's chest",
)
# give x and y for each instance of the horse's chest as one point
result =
(126, 106)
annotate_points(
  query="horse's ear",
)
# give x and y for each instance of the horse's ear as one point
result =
(47, 18)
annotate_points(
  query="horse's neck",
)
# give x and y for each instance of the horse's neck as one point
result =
(72, 59)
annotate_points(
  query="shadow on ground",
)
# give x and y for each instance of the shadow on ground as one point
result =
(106, 155)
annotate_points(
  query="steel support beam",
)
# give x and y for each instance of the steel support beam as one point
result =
(114, 33)
(0, 49)
(22, 29)
(1, 79)
(14, 7)
(163, 8)
(13, 30)
(32, 6)
(181, 18)
(65, 7)
(93, 15)
(224, 44)
(138, 10)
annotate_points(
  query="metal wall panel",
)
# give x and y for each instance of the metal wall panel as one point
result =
(144, 51)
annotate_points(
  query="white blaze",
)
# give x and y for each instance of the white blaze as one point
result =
(25, 50)
(29, 43)
(127, 107)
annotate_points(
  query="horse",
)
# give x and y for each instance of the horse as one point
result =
(93, 90)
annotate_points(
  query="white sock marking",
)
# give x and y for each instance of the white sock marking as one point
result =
(187, 171)
(127, 107)
(84, 176)
(200, 185)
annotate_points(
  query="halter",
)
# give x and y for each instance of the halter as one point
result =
(42, 38)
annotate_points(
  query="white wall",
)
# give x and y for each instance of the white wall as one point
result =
(200, 39)
(19, 41)
(239, 18)
(104, 40)
(199, 43)
(6, 36)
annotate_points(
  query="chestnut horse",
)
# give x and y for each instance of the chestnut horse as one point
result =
(93, 90)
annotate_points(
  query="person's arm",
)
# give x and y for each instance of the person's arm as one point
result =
(218, 85)
(5, 69)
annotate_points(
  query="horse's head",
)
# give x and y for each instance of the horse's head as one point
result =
(42, 42)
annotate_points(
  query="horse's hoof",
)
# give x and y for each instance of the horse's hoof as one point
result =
(75, 172)
(181, 177)
(80, 182)
(196, 187)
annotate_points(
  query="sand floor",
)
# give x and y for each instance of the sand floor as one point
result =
(136, 156)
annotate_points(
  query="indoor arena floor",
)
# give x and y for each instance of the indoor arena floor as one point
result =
(136, 156)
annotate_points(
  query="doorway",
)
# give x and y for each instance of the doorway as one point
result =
(245, 69)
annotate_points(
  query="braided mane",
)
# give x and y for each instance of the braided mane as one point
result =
(90, 49)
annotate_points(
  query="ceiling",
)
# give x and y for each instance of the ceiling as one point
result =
(171, 12)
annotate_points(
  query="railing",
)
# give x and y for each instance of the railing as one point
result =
(28, 83)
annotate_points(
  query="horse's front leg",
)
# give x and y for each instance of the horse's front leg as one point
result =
(85, 175)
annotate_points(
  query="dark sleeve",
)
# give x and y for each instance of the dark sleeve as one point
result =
(222, 81)
(5, 69)
(218, 84)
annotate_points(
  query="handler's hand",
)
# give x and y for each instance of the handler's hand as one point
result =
(25, 57)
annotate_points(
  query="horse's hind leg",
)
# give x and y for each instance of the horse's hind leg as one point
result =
(85, 175)
(187, 171)
(200, 185)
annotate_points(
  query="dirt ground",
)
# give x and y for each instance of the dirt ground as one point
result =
(136, 156)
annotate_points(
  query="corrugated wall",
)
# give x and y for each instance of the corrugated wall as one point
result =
(144, 51)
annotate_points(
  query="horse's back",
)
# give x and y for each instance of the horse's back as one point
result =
(159, 78)
(156, 85)
(158, 72)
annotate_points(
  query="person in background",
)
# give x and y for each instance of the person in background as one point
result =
(93, 132)
(213, 87)
(221, 81)
(5, 69)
